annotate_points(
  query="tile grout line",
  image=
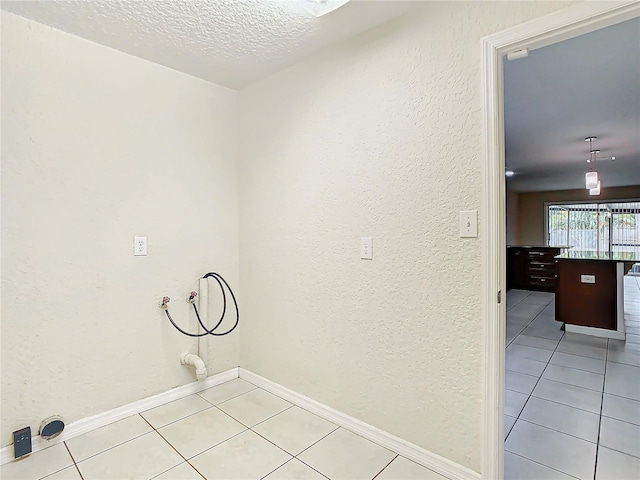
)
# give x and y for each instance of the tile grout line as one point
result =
(546, 466)
(302, 408)
(604, 378)
(559, 431)
(318, 441)
(583, 356)
(580, 356)
(75, 464)
(199, 411)
(248, 427)
(519, 302)
(174, 448)
(620, 420)
(112, 446)
(385, 467)
(178, 420)
(621, 452)
(571, 384)
(314, 469)
(227, 399)
(531, 321)
(291, 459)
(541, 373)
(534, 387)
(540, 377)
(566, 404)
(507, 314)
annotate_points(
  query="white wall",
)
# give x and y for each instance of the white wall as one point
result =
(381, 137)
(99, 146)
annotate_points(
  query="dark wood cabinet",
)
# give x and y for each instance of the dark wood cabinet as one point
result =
(532, 268)
(517, 268)
(587, 304)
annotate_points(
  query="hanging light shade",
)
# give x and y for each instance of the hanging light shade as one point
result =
(596, 190)
(591, 179)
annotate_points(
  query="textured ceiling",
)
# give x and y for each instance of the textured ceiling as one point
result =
(229, 42)
(560, 94)
(588, 85)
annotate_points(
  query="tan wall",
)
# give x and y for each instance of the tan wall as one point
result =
(513, 200)
(531, 208)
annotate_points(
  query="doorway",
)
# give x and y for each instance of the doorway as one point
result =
(554, 28)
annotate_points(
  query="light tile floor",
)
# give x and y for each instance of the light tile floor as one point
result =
(572, 402)
(231, 431)
(572, 410)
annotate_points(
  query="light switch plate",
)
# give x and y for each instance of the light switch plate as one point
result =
(366, 248)
(469, 224)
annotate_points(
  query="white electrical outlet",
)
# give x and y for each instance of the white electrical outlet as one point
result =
(469, 224)
(366, 248)
(139, 246)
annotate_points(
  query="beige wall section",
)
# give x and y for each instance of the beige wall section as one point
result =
(99, 146)
(381, 137)
(531, 208)
(512, 217)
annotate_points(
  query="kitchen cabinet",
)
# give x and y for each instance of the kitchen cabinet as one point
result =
(532, 267)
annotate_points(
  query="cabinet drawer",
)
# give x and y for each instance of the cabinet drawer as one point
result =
(542, 274)
(542, 264)
(543, 282)
(545, 265)
(542, 256)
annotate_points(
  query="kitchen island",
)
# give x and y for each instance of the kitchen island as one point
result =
(590, 292)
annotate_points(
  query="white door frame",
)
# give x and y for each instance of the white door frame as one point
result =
(552, 28)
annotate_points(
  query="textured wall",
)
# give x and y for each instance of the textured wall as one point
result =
(99, 146)
(378, 137)
(531, 208)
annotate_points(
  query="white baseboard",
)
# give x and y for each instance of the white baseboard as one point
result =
(91, 423)
(413, 452)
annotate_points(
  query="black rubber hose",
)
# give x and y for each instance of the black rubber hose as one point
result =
(235, 304)
(181, 330)
(218, 278)
(224, 307)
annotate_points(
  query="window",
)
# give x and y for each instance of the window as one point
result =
(602, 227)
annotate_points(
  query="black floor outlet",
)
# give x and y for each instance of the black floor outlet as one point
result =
(22, 442)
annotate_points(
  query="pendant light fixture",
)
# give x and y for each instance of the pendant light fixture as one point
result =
(591, 178)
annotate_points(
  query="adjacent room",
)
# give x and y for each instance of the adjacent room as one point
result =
(572, 399)
(245, 239)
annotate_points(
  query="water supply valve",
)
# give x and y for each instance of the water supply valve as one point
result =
(192, 297)
(163, 304)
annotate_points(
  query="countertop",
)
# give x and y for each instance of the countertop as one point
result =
(602, 256)
(538, 246)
